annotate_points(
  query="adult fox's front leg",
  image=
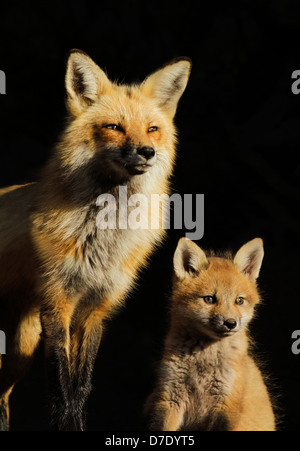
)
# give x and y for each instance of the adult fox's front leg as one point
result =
(56, 317)
(72, 340)
(86, 332)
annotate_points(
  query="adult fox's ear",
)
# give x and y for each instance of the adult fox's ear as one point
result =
(167, 85)
(85, 82)
(249, 258)
(189, 259)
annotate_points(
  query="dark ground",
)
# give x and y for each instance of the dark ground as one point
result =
(239, 139)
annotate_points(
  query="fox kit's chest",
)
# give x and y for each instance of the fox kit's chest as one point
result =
(209, 383)
(202, 380)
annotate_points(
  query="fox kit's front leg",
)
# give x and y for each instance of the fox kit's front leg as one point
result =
(166, 416)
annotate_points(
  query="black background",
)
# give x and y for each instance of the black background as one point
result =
(239, 138)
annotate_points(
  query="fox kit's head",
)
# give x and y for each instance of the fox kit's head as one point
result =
(122, 131)
(215, 295)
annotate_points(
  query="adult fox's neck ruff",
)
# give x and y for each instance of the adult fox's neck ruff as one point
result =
(60, 274)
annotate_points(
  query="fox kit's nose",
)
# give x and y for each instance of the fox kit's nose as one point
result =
(230, 323)
(146, 152)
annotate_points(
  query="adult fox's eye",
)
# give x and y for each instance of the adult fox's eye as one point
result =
(240, 301)
(152, 129)
(209, 300)
(113, 127)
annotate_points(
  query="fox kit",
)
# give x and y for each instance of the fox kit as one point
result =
(61, 275)
(207, 379)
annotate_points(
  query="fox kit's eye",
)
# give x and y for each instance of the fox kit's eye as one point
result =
(152, 129)
(114, 127)
(240, 301)
(209, 300)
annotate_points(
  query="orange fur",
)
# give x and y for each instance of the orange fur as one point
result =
(59, 272)
(207, 372)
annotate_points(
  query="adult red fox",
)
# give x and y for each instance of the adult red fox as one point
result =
(207, 379)
(60, 275)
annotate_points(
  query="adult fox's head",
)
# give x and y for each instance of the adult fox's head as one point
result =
(121, 131)
(215, 295)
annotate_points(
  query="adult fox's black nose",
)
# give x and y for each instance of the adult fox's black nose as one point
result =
(146, 152)
(230, 323)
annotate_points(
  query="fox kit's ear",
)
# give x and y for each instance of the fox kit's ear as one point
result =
(167, 85)
(249, 258)
(189, 259)
(85, 82)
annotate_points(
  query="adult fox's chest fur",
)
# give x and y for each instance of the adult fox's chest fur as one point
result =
(86, 260)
